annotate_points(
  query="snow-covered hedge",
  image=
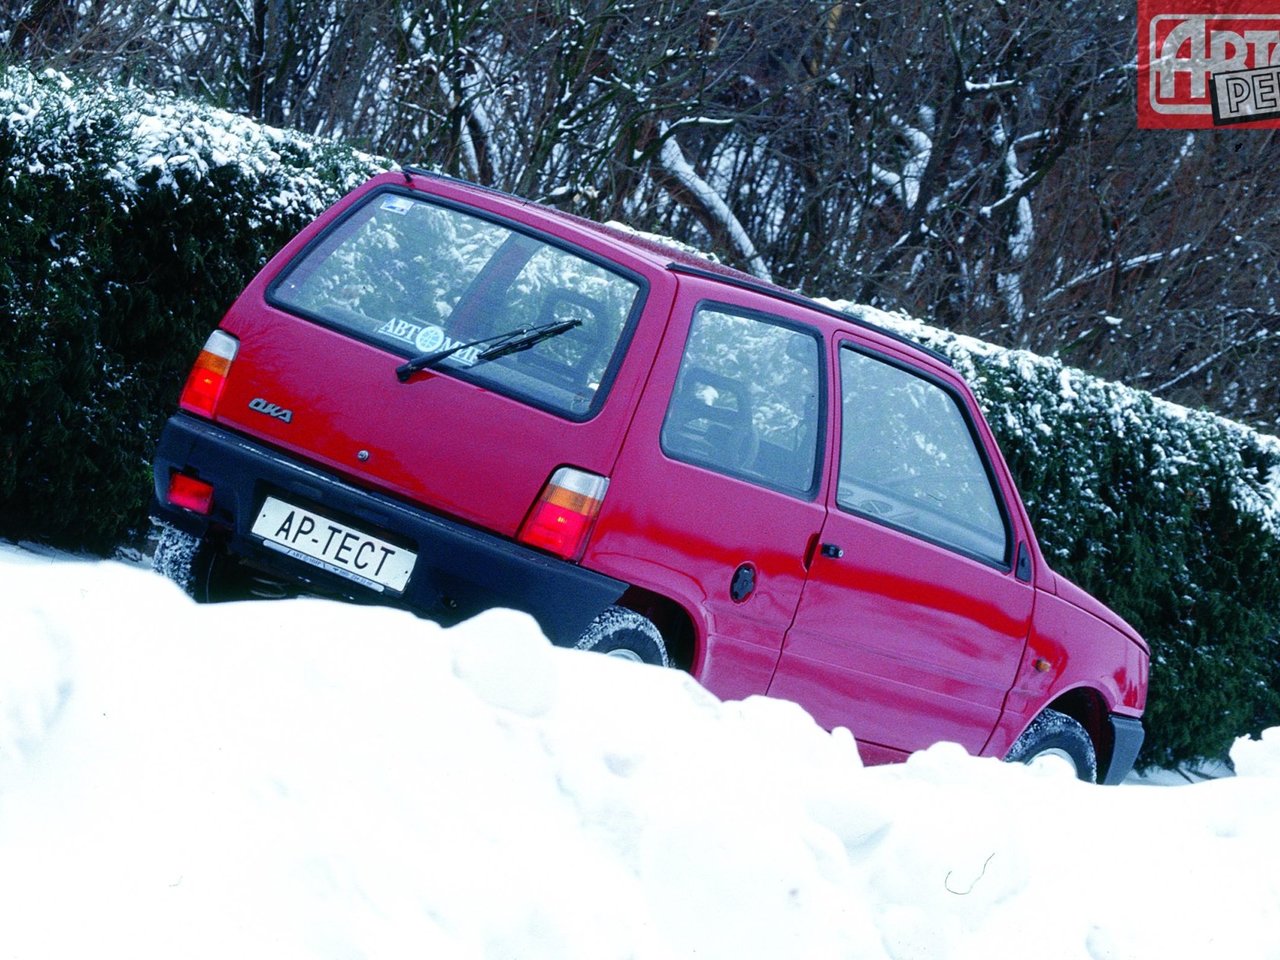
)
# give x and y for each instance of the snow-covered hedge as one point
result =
(128, 222)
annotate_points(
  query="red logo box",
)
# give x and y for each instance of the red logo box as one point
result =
(1184, 44)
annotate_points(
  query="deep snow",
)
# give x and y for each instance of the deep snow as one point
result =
(306, 779)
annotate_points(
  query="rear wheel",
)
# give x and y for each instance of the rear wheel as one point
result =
(625, 634)
(201, 568)
(174, 555)
(1054, 737)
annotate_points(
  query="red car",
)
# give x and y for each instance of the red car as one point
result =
(446, 398)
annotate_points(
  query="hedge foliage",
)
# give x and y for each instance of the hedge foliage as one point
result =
(129, 221)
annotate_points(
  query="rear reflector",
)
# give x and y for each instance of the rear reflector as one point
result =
(188, 492)
(209, 374)
(565, 512)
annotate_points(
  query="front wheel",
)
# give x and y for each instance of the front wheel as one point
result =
(1056, 737)
(625, 634)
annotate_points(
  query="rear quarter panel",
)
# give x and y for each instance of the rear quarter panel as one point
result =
(682, 530)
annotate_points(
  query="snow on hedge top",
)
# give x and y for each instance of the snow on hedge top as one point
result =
(159, 140)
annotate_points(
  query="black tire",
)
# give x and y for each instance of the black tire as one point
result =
(174, 555)
(1054, 734)
(623, 633)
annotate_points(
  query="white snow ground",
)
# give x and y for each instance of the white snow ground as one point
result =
(305, 779)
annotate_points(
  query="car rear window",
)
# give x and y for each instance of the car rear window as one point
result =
(416, 276)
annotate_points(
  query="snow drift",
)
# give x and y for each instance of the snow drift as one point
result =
(306, 779)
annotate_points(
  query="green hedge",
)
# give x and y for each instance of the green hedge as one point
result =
(129, 221)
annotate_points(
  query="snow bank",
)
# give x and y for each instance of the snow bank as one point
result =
(307, 779)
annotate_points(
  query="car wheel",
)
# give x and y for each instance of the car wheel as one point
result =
(625, 634)
(202, 569)
(174, 555)
(1056, 737)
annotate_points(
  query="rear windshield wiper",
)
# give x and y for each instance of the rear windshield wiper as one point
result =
(499, 345)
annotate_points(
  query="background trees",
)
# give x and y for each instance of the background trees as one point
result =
(974, 163)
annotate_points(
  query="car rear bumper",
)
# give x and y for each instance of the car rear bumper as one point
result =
(459, 571)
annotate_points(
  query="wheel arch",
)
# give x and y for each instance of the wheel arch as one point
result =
(672, 620)
(1088, 707)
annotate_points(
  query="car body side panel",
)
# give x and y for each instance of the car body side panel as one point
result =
(901, 640)
(683, 530)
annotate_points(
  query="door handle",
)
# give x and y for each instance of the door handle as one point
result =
(831, 550)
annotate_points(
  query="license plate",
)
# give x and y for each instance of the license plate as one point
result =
(313, 538)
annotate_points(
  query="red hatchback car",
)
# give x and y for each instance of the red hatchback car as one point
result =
(446, 398)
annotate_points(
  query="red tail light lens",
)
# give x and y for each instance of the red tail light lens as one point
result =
(565, 513)
(209, 374)
(185, 491)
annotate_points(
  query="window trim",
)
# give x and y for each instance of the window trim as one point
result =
(957, 397)
(621, 349)
(818, 336)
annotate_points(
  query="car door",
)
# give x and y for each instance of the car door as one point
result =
(913, 619)
(717, 492)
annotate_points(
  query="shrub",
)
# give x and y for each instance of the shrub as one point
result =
(129, 223)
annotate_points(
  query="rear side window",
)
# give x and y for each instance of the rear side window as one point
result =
(416, 276)
(746, 400)
(908, 458)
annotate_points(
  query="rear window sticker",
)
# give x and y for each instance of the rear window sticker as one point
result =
(403, 330)
(400, 205)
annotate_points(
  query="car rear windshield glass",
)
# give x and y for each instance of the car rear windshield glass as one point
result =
(418, 277)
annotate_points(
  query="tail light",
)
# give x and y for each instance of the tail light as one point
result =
(565, 512)
(187, 491)
(209, 374)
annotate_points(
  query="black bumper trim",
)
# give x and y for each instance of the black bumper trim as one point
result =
(1127, 736)
(460, 570)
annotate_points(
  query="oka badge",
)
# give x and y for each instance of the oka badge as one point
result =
(1208, 64)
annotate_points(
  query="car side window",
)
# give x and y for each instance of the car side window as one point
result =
(909, 459)
(746, 399)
